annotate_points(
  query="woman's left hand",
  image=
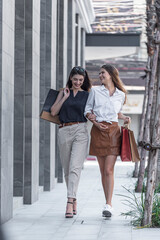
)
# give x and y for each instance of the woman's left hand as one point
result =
(66, 92)
(91, 117)
(127, 120)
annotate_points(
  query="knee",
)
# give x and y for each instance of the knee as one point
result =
(108, 172)
(75, 171)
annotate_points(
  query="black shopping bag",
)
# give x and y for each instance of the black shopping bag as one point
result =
(46, 110)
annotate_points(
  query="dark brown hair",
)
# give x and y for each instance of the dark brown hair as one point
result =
(113, 72)
(81, 71)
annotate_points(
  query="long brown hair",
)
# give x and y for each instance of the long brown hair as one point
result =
(81, 71)
(113, 72)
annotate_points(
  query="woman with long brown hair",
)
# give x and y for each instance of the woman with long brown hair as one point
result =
(72, 134)
(103, 108)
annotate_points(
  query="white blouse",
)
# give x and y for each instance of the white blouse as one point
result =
(104, 106)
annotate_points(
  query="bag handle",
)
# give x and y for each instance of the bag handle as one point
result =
(126, 125)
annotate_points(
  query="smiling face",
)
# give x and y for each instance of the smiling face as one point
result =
(77, 81)
(104, 76)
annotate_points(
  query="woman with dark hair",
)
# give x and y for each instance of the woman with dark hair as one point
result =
(103, 108)
(73, 134)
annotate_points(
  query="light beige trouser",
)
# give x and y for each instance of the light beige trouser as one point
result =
(73, 146)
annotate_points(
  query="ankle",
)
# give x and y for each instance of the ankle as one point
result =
(70, 200)
(108, 203)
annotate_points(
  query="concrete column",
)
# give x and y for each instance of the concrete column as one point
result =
(1, 204)
(32, 74)
(61, 67)
(19, 103)
(42, 89)
(7, 16)
(46, 167)
(79, 42)
(65, 40)
(62, 29)
(76, 38)
(71, 35)
(82, 57)
(59, 81)
(53, 85)
(47, 163)
(54, 46)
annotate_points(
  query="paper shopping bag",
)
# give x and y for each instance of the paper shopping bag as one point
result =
(125, 145)
(133, 145)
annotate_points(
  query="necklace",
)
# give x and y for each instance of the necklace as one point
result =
(111, 93)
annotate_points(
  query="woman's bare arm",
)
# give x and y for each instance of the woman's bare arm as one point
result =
(61, 98)
(126, 119)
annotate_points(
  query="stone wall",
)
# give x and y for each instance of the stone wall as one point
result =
(7, 16)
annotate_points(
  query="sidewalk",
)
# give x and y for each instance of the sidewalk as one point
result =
(44, 220)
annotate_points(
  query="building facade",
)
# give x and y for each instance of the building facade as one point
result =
(40, 41)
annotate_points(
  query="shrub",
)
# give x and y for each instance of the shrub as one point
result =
(156, 211)
(137, 205)
(157, 190)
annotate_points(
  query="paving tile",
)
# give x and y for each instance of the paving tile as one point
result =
(81, 237)
(44, 220)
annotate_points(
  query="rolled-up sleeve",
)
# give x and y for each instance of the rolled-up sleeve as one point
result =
(122, 102)
(90, 102)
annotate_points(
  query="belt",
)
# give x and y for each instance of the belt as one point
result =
(111, 122)
(68, 124)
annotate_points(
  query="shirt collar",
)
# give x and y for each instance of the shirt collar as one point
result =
(103, 88)
(117, 90)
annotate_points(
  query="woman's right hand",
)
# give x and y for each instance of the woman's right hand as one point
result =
(91, 117)
(66, 92)
(100, 126)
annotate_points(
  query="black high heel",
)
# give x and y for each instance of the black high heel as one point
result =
(74, 204)
(69, 214)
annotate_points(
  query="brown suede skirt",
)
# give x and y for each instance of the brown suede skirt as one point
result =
(107, 142)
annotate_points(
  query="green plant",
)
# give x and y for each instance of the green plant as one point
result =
(157, 190)
(136, 206)
(156, 211)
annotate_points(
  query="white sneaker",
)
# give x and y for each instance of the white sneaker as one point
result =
(107, 211)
